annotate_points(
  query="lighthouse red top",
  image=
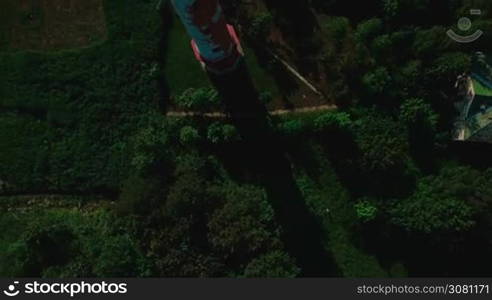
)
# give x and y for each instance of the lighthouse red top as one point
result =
(214, 42)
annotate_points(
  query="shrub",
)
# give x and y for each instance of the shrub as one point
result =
(377, 82)
(391, 8)
(410, 78)
(189, 135)
(222, 133)
(333, 120)
(382, 46)
(416, 110)
(198, 99)
(431, 42)
(368, 30)
(229, 133)
(338, 27)
(266, 97)
(365, 210)
(382, 143)
(276, 264)
(448, 66)
(244, 224)
(292, 128)
(149, 147)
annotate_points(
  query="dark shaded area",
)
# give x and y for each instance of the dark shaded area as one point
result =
(301, 234)
(346, 157)
(294, 17)
(300, 29)
(474, 154)
(162, 84)
(422, 140)
(425, 12)
(284, 80)
(424, 255)
(39, 113)
(49, 247)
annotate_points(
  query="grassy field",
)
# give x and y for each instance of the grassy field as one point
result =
(181, 68)
(51, 24)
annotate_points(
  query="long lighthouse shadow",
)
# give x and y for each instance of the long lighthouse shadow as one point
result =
(164, 93)
(301, 235)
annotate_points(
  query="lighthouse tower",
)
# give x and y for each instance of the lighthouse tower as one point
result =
(214, 42)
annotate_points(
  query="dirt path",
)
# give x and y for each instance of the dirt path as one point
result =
(220, 115)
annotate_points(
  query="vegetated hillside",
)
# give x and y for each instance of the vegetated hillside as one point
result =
(96, 181)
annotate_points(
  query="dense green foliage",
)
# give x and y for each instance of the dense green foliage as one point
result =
(373, 184)
(198, 99)
(69, 243)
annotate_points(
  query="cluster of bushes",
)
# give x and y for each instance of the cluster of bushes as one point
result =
(69, 243)
(202, 224)
(201, 99)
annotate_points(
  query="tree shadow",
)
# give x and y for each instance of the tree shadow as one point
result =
(263, 155)
(421, 139)
(284, 80)
(286, 83)
(163, 100)
(304, 156)
(39, 113)
(474, 154)
(294, 18)
(442, 254)
(346, 158)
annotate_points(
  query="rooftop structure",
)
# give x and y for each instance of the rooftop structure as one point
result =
(474, 123)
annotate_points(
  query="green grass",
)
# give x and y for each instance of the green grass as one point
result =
(481, 89)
